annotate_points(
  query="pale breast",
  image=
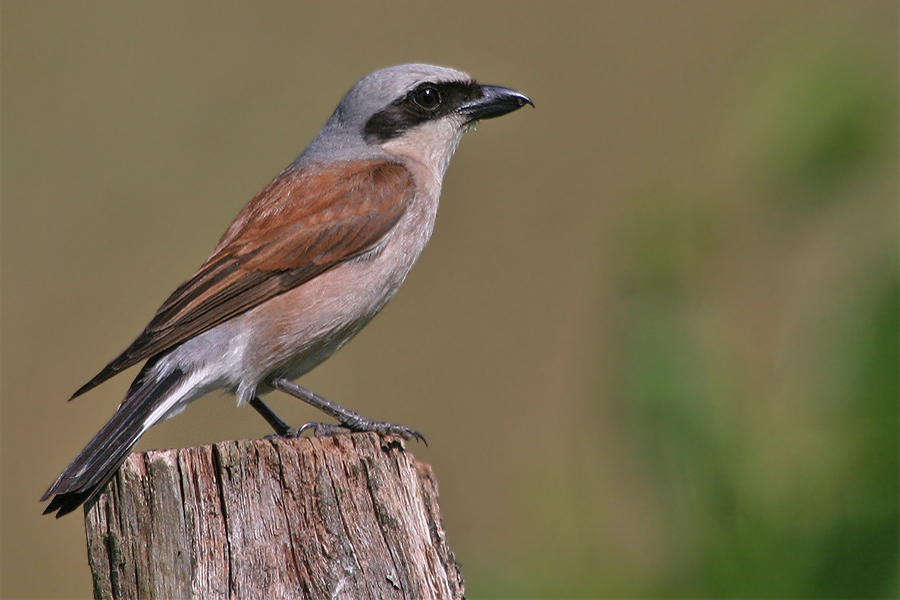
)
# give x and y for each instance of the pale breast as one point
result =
(294, 332)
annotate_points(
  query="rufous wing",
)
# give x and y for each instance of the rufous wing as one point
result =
(306, 221)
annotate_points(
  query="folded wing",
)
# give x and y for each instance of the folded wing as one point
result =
(303, 223)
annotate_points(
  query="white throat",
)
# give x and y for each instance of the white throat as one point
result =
(432, 144)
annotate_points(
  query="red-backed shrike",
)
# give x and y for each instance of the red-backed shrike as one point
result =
(303, 267)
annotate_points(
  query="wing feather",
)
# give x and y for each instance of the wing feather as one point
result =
(305, 222)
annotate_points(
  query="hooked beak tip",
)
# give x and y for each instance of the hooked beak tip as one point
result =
(495, 102)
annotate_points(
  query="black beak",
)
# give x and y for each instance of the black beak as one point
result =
(494, 102)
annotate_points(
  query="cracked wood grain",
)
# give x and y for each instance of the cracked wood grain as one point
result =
(349, 516)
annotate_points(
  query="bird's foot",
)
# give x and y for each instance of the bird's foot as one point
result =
(323, 429)
(288, 432)
(349, 420)
(281, 428)
(358, 424)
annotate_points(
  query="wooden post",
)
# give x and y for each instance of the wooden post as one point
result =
(349, 516)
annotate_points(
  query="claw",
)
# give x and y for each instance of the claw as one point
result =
(288, 433)
(400, 431)
(324, 429)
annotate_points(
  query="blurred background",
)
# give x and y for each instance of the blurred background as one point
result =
(653, 343)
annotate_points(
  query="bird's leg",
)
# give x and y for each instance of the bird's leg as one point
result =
(347, 418)
(281, 428)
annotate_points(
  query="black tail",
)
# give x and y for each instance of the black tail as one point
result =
(86, 476)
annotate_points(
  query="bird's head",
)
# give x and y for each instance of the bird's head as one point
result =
(414, 111)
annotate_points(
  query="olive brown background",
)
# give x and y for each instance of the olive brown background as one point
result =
(653, 342)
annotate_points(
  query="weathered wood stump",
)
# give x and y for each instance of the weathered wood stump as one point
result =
(350, 516)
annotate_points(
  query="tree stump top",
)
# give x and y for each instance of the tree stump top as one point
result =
(349, 516)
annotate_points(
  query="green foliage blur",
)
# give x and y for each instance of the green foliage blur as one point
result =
(758, 328)
(755, 358)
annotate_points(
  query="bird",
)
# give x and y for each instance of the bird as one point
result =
(304, 266)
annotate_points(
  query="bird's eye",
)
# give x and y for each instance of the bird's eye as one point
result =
(428, 98)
